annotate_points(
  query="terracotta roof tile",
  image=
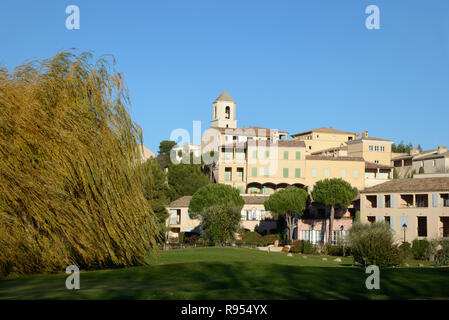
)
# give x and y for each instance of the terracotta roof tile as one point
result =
(311, 157)
(411, 185)
(324, 130)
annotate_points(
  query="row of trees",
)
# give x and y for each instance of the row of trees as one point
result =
(219, 206)
(404, 148)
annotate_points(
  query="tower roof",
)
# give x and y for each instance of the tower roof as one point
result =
(224, 96)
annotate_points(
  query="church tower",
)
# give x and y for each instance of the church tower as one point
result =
(224, 112)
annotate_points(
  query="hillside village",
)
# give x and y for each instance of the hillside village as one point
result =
(408, 191)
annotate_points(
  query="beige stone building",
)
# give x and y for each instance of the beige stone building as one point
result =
(422, 205)
(432, 161)
(324, 138)
(254, 217)
(371, 149)
(259, 160)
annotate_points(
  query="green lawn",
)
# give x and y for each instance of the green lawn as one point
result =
(235, 273)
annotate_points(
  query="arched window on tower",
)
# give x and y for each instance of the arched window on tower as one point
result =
(228, 112)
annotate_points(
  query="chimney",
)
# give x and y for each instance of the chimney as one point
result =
(414, 151)
(364, 134)
(442, 149)
(357, 136)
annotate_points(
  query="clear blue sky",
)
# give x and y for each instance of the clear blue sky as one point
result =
(291, 65)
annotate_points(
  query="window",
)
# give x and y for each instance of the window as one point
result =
(370, 148)
(387, 201)
(254, 154)
(265, 190)
(406, 201)
(175, 216)
(285, 172)
(434, 163)
(285, 155)
(371, 219)
(422, 226)
(343, 173)
(326, 173)
(314, 173)
(240, 174)
(445, 197)
(376, 161)
(382, 149)
(297, 173)
(371, 201)
(228, 155)
(266, 172)
(422, 200)
(298, 155)
(228, 112)
(376, 148)
(254, 172)
(356, 174)
(317, 136)
(240, 188)
(228, 174)
(267, 154)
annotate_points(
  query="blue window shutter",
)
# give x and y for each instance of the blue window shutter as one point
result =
(380, 201)
(392, 222)
(380, 218)
(435, 200)
(391, 200)
(404, 220)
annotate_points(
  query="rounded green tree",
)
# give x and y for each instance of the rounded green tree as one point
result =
(214, 195)
(288, 202)
(333, 192)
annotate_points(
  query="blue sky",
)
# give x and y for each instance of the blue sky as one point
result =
(291, 65)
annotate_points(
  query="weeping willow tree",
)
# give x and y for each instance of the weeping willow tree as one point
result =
(70, 183)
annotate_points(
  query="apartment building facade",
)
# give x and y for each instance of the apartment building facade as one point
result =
(420, 207)
(254, 217)
(432, 161)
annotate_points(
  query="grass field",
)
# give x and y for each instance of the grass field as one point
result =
(235, 273)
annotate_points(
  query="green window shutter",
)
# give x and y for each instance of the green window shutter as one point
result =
(392, 222)
(356, 174)
(343, 173)
(254, 172)
(326, 173)
(240, 188)
(297, 173)
(380, 200)
(314, 173)
(267, 154)
(392, 203)
(266, 172)
(254, 154)
(298, 155)
(286, 155)
(285, 172)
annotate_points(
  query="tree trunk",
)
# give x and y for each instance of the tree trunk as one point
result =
(289, 219)
(331, 224)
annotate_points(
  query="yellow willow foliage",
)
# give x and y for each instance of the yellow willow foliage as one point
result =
(70, 183)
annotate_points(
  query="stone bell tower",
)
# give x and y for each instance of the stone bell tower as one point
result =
(224, 112)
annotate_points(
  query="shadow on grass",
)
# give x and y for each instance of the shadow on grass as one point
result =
(234, 280)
